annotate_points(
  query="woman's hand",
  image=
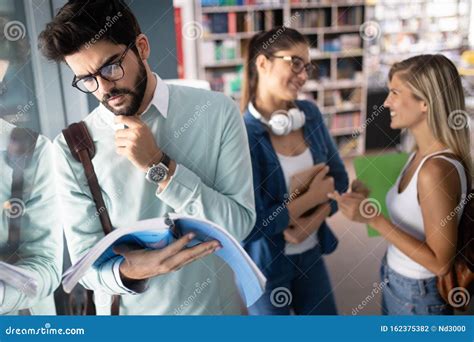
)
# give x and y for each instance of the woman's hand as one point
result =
(303, 227)
(359, 187)
(356, 206)
(301, 181)
(316, 194)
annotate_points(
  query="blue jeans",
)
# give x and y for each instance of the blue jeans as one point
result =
(407, 296)
(301, 285)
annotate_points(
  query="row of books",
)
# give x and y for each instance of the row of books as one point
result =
(350, 15)
(311, 18)
(235, 22)
(228, 82)
(209, 3)
(342, 42)
(344, 121)
(313, 2)
(342, 98)
(216, 51)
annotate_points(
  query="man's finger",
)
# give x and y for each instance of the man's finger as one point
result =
(186, 256)
(121, 142)
(197, 256)
(176, 246)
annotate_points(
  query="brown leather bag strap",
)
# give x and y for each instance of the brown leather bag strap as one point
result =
(20, 150)
(82, 148)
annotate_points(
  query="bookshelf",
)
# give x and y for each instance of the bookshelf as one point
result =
(412, 27)
(339, 85)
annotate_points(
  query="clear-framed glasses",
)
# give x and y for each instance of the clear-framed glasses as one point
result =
(298, 65)
(111, 72)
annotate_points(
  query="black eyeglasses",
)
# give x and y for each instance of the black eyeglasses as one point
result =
(297, 64)
(111, 72)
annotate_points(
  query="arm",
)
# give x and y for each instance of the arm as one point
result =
(436, 182)
(41, 245)
(305, 226)
(230, 201)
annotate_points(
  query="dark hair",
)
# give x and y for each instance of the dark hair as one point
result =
(14, 50)
(265, 43)
(81, 23)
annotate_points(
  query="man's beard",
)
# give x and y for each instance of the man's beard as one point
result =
(136, 95)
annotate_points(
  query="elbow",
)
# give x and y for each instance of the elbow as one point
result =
(442, 269)
(248, 226)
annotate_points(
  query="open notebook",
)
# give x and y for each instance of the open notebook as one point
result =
(18, 278)
(158, 233)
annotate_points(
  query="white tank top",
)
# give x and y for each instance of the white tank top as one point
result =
(290, 166)
(405, 212)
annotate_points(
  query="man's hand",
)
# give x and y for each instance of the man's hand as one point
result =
(301, 228)
(136, 142)
(143, 264)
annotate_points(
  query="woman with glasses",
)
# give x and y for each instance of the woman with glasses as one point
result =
(295, 164)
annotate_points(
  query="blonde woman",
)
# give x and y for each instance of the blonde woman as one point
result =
(426, 97)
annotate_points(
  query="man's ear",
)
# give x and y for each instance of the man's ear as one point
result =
(143, 46)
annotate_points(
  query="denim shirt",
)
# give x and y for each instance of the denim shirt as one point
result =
(266, 240)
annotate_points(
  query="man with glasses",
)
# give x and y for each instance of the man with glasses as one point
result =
(159, 149)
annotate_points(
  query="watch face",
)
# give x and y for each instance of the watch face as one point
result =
(157, 173)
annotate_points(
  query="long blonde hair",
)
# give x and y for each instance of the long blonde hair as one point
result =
(435, 80)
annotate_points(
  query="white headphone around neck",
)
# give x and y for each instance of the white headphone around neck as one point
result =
(282, 122)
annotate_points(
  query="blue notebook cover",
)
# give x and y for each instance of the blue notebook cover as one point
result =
(249, 282)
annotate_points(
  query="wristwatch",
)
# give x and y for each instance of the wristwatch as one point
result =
(157, 173)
